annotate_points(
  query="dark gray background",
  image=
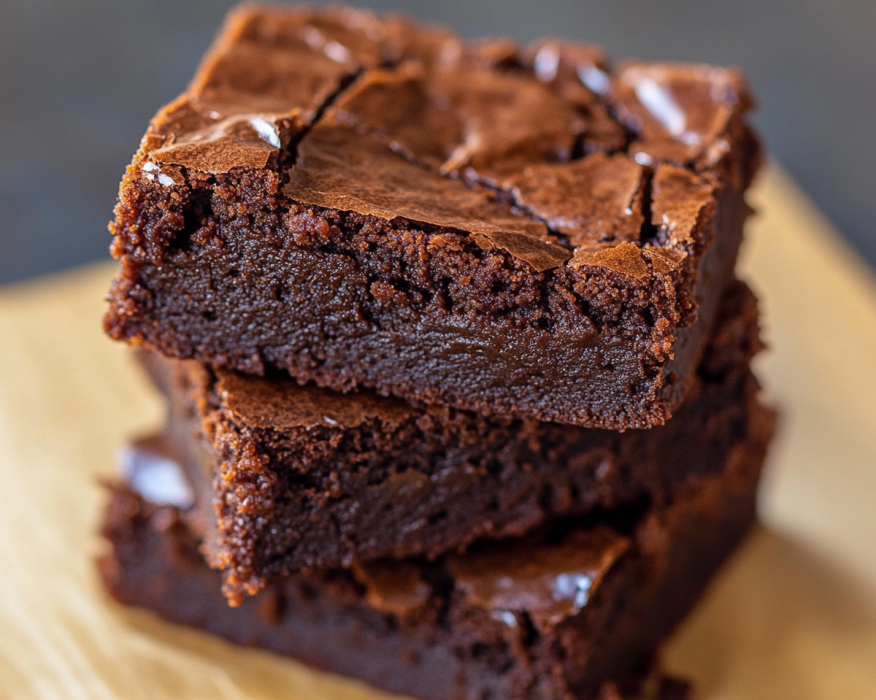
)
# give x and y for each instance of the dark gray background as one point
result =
(79, 80)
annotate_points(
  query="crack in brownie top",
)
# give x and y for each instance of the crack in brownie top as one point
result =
(340, 169)
(540, 151)
(271, 73)
(461, 118)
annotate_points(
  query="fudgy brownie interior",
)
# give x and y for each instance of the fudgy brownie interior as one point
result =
(300, 477)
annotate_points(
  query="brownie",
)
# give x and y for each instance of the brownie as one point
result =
(293, 477)
(363, 202)
(553, 615)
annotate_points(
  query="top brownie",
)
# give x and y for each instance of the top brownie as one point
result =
(365, 202)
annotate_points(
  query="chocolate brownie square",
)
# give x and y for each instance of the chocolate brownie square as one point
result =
(363, 202)
(554, 615)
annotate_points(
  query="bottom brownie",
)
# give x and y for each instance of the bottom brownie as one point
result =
(554, 615)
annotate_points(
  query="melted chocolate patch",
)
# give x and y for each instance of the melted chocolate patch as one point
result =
(549, 582)
(678, 111)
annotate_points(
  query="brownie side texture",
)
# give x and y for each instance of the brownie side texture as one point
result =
(296, 477)
(551, 616)
(364, 202)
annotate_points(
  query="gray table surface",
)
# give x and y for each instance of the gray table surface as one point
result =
(79, 80)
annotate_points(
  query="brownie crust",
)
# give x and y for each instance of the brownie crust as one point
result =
(551, 616)
(291, 478)
(377, 204)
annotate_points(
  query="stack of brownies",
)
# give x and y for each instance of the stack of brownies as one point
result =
(456, 363)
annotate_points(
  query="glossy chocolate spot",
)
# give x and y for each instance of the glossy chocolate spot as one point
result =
(579, 73)
(563, 62)
(678, 111)
(549, 582)
(152, 469)
(240, 141)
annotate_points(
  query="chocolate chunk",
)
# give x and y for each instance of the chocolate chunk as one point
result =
(551, 584)
(395, 587)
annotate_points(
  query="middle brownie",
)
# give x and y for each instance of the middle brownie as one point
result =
(291, 478)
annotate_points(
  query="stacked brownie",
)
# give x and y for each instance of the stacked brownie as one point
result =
(457, 369)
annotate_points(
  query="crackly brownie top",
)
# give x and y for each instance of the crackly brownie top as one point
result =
(338, 168)
(538, 150)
